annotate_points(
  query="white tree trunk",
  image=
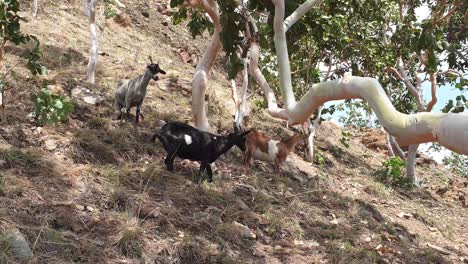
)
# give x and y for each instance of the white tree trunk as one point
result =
(243, 102)
(235, 98)
(36, 7)
(411, 168)
(273, 109)
(93, 53)
(281, 48)
(312, 131)
(200, 78)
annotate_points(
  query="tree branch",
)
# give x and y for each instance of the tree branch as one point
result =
(299, 12)
(200, 78)
(433, 101)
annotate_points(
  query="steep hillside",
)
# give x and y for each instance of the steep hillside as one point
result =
(94, 190)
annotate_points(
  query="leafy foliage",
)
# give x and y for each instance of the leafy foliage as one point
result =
(10, 31)
(109, 11)
(50, 108)
(199, 24)
(35, 55)
(459, 106)
(393, 172)
(458, 163)
(345, 138)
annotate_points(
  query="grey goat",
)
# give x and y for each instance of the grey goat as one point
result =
(131, 93)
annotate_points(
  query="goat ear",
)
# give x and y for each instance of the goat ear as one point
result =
(161, 71)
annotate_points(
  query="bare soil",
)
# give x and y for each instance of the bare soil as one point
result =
(94, 190)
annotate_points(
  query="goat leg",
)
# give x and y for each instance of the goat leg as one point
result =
(210, 173)
(137, 120)
(119, 109)
(169, 161)
(202, 170)
(277, 166)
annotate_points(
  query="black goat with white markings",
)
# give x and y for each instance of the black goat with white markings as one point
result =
(187, 142)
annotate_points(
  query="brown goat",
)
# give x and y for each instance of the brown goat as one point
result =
(265, 148)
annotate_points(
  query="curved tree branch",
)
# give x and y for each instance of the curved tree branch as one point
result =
(433, 101)
(299, 12)
(447, 129)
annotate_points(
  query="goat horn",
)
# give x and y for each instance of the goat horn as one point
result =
(151, 59)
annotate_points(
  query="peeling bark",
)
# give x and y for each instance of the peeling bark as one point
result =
(90, 9)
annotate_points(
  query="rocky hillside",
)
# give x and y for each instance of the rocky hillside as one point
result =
(94, 190)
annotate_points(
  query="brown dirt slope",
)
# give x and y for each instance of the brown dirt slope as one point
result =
(94, 190)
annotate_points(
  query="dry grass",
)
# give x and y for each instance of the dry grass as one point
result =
(87, 147)
(131, 243)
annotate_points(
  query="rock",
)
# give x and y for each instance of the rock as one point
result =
(50, 144)
(86, 95)
(145, 13)
(79, 207)
(165, 23)
(440, 249)
(306, 243)
(433, 229)
(244, 190)
(241, 204)
(384, 250)
(18, 244)
(119, 4)
(244, 231)
(301, 179)
(55, 89)
(89, 208)
(405, 215)
(161, 8)
(123, 19)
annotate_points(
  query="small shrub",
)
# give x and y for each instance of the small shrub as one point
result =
(393, 172)
(345, 138)
(50, 108)
(109, 12)
(260, 103)
(458, 163)
(319, 159)
(96, 123)
(130, 243)
(119, 199)
(193, 250)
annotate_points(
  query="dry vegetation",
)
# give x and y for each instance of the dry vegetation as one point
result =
(94, 190)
